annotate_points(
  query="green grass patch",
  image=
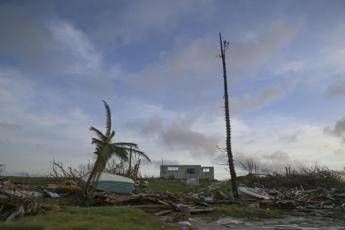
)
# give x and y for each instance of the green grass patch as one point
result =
(34, 181)
(240, 211)
(225, 186)
(62, 201)
(174, 186)
(91, 218)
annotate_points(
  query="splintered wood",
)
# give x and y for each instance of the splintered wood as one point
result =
(174, 206)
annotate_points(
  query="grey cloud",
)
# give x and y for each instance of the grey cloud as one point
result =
(151, 126)
(9, 126)
(273, 162)
(195, 59)
(45, 47)
(276, 161)
(187, 67)
(158, 163)
(278, 156)
(336, 89)
(289, 138)
(338, 130)
(42, 135)
(266, 42)
(339, 152)
(21, 36)
(178, 135)
(221, 158)
(138, 21)
(266, 96)
(191, 68)
(257, 101)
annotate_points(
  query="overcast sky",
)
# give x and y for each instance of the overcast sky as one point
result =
(157, 65)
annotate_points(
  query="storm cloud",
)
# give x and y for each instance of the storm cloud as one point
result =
(338, 130)
(336, 88)
(178, 135)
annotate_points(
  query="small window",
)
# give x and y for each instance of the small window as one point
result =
(191, 171)
(172, 168)
(206, 170)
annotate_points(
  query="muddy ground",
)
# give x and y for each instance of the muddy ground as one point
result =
(303, 222)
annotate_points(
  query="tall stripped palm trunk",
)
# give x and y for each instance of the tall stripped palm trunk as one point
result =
(223, 46)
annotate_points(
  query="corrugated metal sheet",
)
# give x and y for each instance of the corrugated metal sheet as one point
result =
(115, 186)
(109, 182)
(112, 177)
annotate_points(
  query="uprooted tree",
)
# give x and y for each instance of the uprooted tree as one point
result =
(223, 46)
(106, 148)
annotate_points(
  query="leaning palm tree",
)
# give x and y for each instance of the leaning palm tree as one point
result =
(105, 149)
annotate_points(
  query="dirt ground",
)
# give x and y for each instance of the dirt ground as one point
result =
(286, 223)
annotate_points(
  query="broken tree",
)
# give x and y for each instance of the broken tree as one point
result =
(223, 46)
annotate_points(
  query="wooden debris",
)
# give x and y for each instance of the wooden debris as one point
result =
(176, 206)
(18, 213)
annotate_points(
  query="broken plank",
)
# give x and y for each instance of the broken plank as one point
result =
(164, 212)
(201, 210)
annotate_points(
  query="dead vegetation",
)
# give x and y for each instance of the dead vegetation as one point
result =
(61, 172)
(315, 190)
(308, 178)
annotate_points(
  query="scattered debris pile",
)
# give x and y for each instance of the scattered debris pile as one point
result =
(18, 200)
(253, 192)
(213, 194)
(298, 198)
(319, 198)
(174, 207)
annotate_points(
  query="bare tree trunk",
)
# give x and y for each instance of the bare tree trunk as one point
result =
(90, 179)
(223, 45)
(87, 185)
(130, 162)
(137, 170)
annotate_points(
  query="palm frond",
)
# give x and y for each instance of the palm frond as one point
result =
(120, 152)
(134, 150)
(98, 150)
(97, 141)
(98, 133)
(108, 115)
(129, 144)
(112, 135)
(140, 153)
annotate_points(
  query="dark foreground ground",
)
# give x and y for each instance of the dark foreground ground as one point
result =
(128, 219)
(285, 223)
(67, 215)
